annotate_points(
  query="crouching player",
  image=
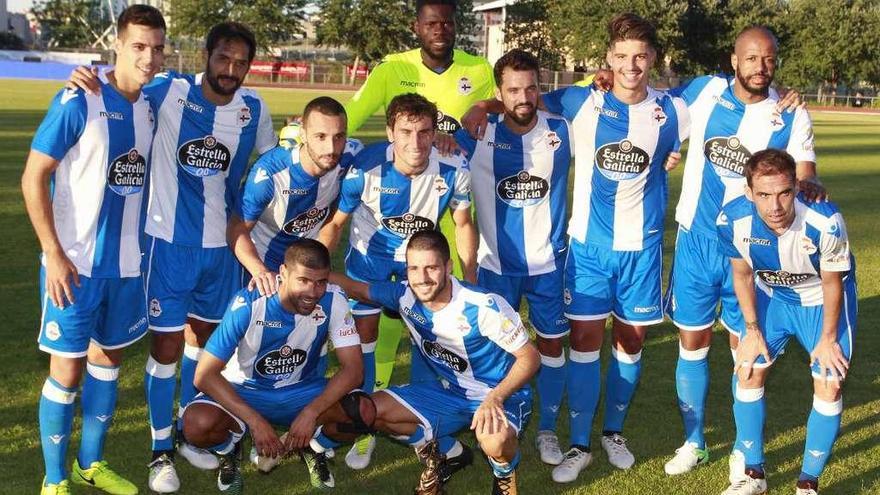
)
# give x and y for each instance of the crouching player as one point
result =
(475, 343)
(261, 369)
(797, 254)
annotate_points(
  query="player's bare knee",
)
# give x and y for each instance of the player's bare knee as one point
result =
(360, 413)
(549, 347)
(755, 380)
(205, 425)
(693, 340)
(496, 444)
(367, 327)
(198, 332)
(586, 336)
(166, 347)
(829, 391)
(104, 357)
(66, 371)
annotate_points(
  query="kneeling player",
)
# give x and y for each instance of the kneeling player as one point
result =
(797, 254)
(261, 369)
(472, 340)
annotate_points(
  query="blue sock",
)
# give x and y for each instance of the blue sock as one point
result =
(446, 444)
(160, 382)
(551, 386)
(749, 412)
(188, 390)
(822, 427)
(417, 439)
(583, 394)
(323, 441)
(504, 469)
(56, 419)
(621, 381)
(98, 403)
(369, 351)
(692, 385)
(418, 368)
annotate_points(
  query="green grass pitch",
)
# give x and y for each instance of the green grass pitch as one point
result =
(849, 163)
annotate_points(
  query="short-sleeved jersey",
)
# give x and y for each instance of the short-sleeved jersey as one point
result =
(200, 155)
(620, 183)
(286, 202)
(724, 134)
(787, 267)
(388, 207)
(266, 346)
(520, 188)
(102, 143)
(468, 80)
(468, 343)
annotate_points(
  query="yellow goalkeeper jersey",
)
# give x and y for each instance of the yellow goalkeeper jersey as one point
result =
(468, 80)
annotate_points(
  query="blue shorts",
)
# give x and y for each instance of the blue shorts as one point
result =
(111, 312)
(701, 277)
(192, 282)
(442, 413)
(600, 282)
(781, 320)
(371, 269)
(278, 406)
(543, 293)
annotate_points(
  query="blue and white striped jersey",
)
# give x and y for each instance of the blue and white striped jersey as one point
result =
(520, 188)
(286, 202)
(724, 134)
(620, 185)
(102, 144)
(787, 266)
(388, 207)
(200, 155)
(265, 346)
(468, 343)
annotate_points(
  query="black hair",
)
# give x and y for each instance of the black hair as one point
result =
(230, 30)
(308, 253)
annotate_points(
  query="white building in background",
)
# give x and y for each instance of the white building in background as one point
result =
(490, 38)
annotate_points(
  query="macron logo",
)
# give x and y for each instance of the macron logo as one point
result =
(747, 443)
(103, 418)
(621, 407)
(56, 439)
(261, 176)
(816, 453)
(575, 414)
(68, 95)
(238, 303)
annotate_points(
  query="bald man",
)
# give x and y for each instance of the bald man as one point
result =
(731, 118)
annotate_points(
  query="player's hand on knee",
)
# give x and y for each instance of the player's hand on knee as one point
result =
(60, 271)
(749, 349)
(265, 439)
(489, 418)
(85, 78)
(789, 101)
(475, 121)
(301, 430)
(266, 282)
(830, 359)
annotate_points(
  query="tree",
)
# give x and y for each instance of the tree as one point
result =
(526, 28)
(273, 22)
(832, 42)
(70, 23)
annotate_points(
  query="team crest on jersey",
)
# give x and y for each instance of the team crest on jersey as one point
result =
(440, 185)
(462, 325)
(407, 224)
(53, 331)
(318, 315)
(126, 173)
(566, 296)
(622, 160)
(464, 86)
(552, 140)
(447, 124)
(204, 157)
(782, 278)
(807, 246)
(155, 308)
(279, 364)
(522, 189)
(244, 116)
(776, 122)
(443, 355)
(658, 116)
(727, 155)
(306, 221)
